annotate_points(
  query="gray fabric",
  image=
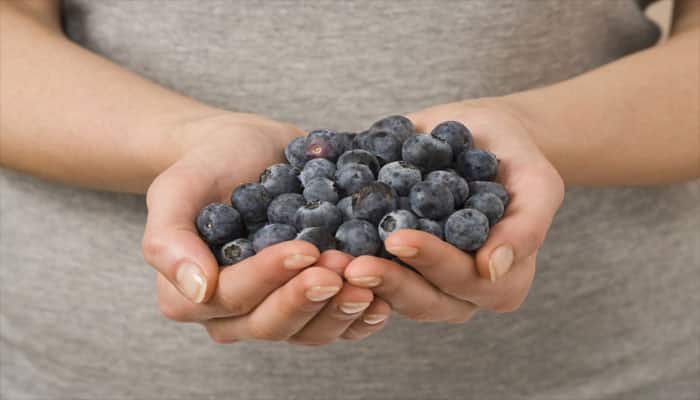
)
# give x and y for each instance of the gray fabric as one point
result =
(614, 309)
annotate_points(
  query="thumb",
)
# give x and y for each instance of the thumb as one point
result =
(171, 243)
(536, 193)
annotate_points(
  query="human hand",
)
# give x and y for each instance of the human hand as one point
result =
(452, 284)
(282, 293)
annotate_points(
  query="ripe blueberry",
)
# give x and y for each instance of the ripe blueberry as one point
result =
(234, 251)
(427, 152)
(353, 177)
(431, 200)
(251, 200)
(324, 143)
(396, 220)
(280, 178)
(477, 165)
(345, 207)
(430, 226)
(272, 234)
(319, 237)
(374, 201)
(397, 125)
(457, 185)
(489, 204)
(321, 189)
(467, 229)
(455, 134)
(218, 223)
(400, 175)
(283, 208)
(295, 152)
(318, 213)
(359, 156)
(490, 187)
(317, 168)
(357, 237)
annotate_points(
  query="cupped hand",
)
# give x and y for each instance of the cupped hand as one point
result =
(450, 285)
(286, 292)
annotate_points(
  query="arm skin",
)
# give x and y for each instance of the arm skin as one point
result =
(67, 114)
(635, 121)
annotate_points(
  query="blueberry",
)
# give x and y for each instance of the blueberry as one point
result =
(283, 208)
(218, 223)
(345, 207)
(252, 227)
(397, 125)
(427, 152)
(385, 146)
(272, 234)
(318, 213)
(359, 156)
(396, 220)
(430, 226)
(234, 252)
(317, 168)
(477, 165)
(353, 177)
(346, 138)
(374, 201)
(360, 141)
(457, 185)
(431, 200)
(455, 134)
(400, 175)
(319, 237)
(251, 200)
(280, 178)
(489, 204)
(357, 237)
(321, 189)
(490, 187)
(405, 203)
(467, 229)
(295, 152)
(324, 143)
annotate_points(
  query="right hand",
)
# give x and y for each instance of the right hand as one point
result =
(286, 292)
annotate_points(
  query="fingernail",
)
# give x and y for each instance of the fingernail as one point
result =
(374, 319)
(320, 293)
(353, 308)
(298, 261)
(500, 262)
(191, 282)
(366, 281)
(403, 251)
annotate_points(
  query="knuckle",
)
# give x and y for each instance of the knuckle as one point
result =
(219, 336)
(172, 312)
(267, 332)
(508, 304)
(536, 237)
(151, 247)
(234, 306)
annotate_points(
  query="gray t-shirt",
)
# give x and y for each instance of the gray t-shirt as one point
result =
(614, 311)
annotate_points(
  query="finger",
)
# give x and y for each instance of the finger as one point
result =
(406, 291)
(335, 317)
(373, 320)
(241, 287)
(453, 271)
(536, 194)
(171, 243)
(284, 312)
(334, 260)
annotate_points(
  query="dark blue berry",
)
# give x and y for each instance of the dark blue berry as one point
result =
(385, 146)
(280, 178)
(490, 187)
(345, 207)
(396, 220)
(431, 200)
(346, 138)
(477, 165)
(397, 125)
(252, 227)
(321, 189)
(272, 234)
(318, 213)
(324, 143)
(283, 208)
(359, 156)
(489, 204)
(218, 223)
(251, 200)
(430, 226)
(360, 141)
(457, 185)
(467, 229)
(319, 237)
(234, 252)
(374, 201)
(400, 175)
(427, 152)
(455, 134)
(353, 177)
(317, 168)
(357, 237)
(295, 152)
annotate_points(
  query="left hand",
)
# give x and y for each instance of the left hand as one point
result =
(453, 284)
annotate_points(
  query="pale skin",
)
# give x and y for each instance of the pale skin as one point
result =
(124, 133)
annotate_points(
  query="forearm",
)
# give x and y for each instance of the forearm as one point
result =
(70, 115)
(632, 122)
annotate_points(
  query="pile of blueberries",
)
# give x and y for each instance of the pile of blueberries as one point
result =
(349, 191)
